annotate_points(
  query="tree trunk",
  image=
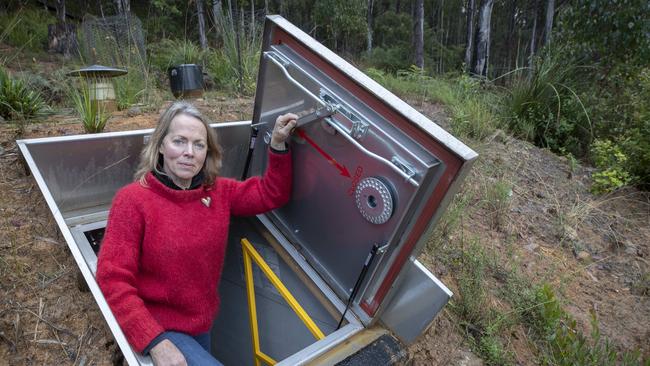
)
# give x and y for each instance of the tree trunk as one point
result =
(369, 27)
(441, 28)
(230, 20)
(217, 15)
(398, 7)
(418, 33)
(123, 6)
(60, 11)
(548, 25)
(533, 34)
(469, 36)
(199, 13)
(510, 36)
(62, 38)
(483, 38)
(251, 25)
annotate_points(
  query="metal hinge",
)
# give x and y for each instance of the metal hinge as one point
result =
(408, 170)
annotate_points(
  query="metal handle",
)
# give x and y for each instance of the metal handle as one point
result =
(274, 58)
(408, 177)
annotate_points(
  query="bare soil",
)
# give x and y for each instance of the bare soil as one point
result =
(594, 250)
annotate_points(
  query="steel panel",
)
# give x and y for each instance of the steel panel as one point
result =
(43, 153)
(416, 303)
(419, 162)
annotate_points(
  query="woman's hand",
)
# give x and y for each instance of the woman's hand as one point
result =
(282, 130)
(165, 353)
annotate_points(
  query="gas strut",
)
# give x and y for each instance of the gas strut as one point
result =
(357, 285)
(249, 156)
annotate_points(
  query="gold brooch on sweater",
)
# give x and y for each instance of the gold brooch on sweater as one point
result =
(206, 201)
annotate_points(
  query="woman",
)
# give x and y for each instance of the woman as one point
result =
(163, 250)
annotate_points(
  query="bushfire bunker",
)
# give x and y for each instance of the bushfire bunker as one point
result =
(371, 178)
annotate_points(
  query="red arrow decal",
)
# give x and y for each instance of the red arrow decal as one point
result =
(341, 168)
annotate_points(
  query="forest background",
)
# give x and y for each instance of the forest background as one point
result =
(572, 77)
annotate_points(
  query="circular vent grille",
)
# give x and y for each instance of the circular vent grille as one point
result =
(374, 200)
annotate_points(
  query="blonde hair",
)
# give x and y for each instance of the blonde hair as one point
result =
(151, 152)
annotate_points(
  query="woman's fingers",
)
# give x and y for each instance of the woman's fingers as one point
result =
(282, 129)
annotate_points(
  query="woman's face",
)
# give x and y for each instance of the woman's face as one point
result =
(184, 149)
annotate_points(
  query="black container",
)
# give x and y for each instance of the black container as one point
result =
(186, 80)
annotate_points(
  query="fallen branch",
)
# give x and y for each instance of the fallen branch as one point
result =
(50, 341)
(56, 328)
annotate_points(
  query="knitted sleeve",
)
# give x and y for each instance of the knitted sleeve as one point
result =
(256, 195)
(117, 268)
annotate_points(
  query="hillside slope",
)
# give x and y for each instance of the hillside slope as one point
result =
(528, 209)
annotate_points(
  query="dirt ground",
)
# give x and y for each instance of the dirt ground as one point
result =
(594, 249)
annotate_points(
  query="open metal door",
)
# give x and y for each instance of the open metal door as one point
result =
(371, 174)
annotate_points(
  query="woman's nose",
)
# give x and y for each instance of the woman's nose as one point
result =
(189, 150)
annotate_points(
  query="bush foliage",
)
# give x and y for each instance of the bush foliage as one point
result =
(27, 28)
(17, 99)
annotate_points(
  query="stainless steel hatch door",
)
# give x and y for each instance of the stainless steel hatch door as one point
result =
(368, 169)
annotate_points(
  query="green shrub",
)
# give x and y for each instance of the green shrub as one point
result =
(93, 113)
(129, 90)
(390, 59)
(342, 24)
(613, 167)
(563, 343)
(51, 87)
(393, 30)
(27, 28)
(471, 107)
(218, 66)
(250, 44)
(17, 100)
(170, 52)
(544, 108)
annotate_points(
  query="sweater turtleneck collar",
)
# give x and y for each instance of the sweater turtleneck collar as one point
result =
(178, 195)
(197, 181)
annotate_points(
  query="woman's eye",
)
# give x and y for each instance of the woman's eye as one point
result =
(199, 145)
(178, 142)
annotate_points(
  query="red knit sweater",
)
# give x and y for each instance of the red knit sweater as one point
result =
(163, 250)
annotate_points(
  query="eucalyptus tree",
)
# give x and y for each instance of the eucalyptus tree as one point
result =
(418, 33)
(203, 40)
(369, 19)
(548, 24)
(482, 49)
(62, 36)
(123, 6)
(469, 34)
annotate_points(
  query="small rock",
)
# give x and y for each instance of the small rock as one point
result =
(467, 358)
(2, 119)
(570, 233)
(531, 247)
(540, 195)
(42, 246)
(583, 255)
(632, 250)
(16, 223)
(134, 111)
